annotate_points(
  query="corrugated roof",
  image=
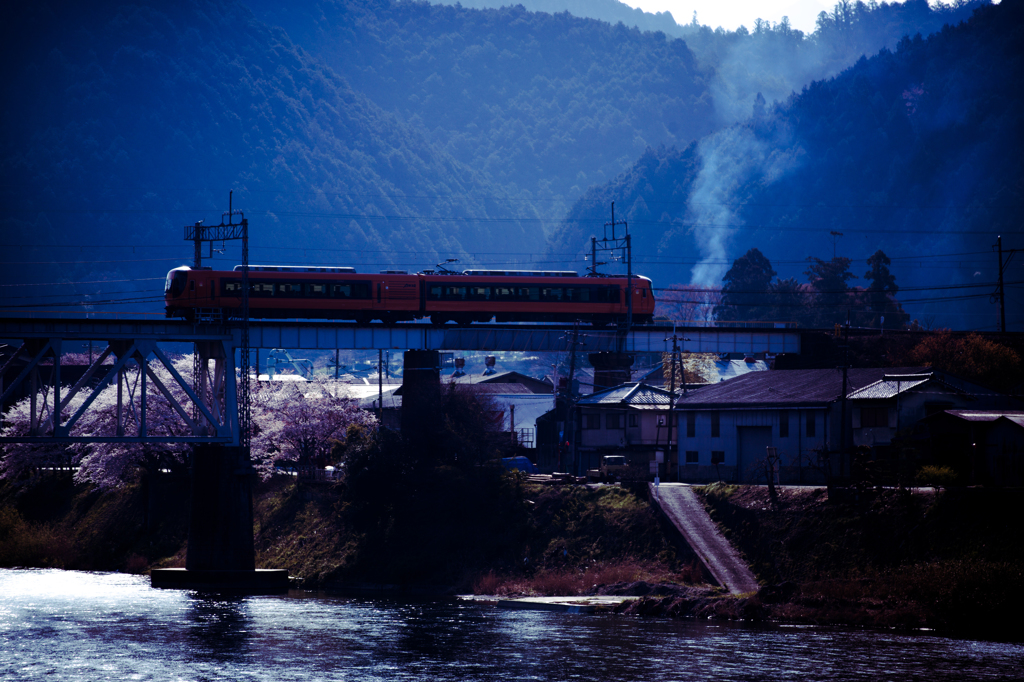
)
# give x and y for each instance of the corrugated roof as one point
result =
(787, 387)
(884, 389)
(633, 394)
(1016, 416)
(498, 388)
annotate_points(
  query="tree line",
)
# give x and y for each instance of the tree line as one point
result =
(753, 292)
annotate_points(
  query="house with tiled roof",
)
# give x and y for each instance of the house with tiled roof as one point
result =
(630, 419)
(726, 428)
(896, 402)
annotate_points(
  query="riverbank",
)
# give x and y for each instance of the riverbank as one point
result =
(949, 560)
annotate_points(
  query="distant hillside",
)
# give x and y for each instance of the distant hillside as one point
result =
(611, 11)
(915, 152)
(124, 122)
(764, 57)
(546, 105)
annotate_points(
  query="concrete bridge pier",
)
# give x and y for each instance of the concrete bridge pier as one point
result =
(421, 394)
(221, 556)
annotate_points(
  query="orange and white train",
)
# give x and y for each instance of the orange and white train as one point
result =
(340, 293)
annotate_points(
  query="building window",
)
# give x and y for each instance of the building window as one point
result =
(716, 425)
(691, 424)
(592, 421)
(874, 416)
(810, 425)
(613, 421)
(634, 420)
(717, 456)
(783, 424)
(692, 457)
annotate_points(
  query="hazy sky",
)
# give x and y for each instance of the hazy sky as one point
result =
(729, 14)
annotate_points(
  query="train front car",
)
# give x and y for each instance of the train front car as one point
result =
(188, 290)
(174, 290)
(286, 292)
(643, 300)
(532, 296)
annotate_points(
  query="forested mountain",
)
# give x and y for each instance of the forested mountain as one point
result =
(547, 105)
(610, 11)
(765, 57)
(124, 122)
(914, 151)
(386, 133)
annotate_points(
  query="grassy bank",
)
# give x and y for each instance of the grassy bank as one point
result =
(951, 560)
(534, 540)
(48, 521)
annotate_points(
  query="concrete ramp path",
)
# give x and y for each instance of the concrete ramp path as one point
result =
(686, 512)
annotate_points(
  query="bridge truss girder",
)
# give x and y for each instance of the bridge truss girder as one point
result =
(52, 421)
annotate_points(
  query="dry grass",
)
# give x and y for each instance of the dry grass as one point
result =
(25, 544)
(562, 582)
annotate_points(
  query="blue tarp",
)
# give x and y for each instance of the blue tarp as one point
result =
(522, 463)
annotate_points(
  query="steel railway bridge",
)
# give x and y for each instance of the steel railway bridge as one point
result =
(215, 411)
(212, 411)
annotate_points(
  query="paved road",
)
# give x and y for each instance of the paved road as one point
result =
(686, 512)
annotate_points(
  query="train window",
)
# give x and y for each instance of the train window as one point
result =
(230, 287)
(455, 293)
(551, 294)
(351, 290)
(504, 294)
(529, 293)
(578, 294)
(176, 282)
(435, 294)
(316, 289)
(607, 294)
(191, 286)
(262, 289)
(290, 289)
(479, 293)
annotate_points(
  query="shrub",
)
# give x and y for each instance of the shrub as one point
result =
(938, 476)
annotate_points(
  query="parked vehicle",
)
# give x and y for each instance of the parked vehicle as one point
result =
(613, 468)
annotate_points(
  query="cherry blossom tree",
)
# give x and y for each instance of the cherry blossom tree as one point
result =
(296, 421)
(106, 464)
(302, 422)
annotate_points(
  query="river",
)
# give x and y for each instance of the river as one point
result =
(67, 625)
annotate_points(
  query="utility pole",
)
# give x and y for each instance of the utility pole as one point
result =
(835, 239)
(1000, 289)
(842, 424)
(671, 403)
(672, 388)
(570, 403)
(230, 230)
(620, 246)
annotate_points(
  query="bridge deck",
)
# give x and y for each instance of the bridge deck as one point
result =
(479, 337)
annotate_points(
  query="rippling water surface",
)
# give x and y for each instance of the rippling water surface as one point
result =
(63, 625)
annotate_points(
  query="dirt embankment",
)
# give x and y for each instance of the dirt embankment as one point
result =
(950, 560)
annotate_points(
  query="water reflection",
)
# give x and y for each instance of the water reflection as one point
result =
(87, 626)
(219, 629)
